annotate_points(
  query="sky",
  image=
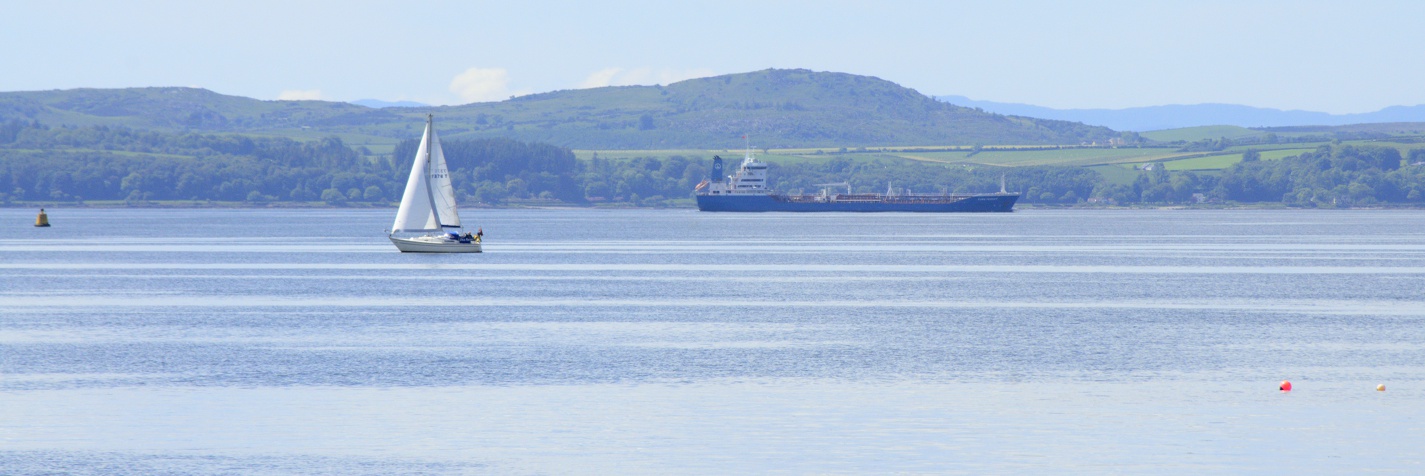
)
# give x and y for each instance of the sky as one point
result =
(1338, 57)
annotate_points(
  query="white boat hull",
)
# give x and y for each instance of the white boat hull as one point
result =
(427, 244)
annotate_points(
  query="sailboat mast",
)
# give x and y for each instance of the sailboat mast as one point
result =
(430, 189)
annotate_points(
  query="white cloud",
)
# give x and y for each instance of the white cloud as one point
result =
(482, 84)
(300, 95)
(600, 78)
(615, 76)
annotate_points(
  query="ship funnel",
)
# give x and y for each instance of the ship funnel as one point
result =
(717, 169)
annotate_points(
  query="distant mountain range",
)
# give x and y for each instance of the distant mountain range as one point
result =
(776, 108)
(1152, 118)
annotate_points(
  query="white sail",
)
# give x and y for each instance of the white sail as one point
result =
(428, 205)
(443, 193)
(417, 212)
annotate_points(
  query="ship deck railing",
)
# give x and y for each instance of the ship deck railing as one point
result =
(873, 198)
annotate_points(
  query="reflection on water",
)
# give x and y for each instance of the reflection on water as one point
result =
(591, 341)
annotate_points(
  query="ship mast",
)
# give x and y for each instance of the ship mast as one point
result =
(430, 188)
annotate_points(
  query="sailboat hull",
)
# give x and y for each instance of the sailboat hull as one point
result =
(427, 244)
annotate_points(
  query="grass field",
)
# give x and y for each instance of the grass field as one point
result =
(1218, 162)
(1234, 154)
(1191, 134)
(1211, 162)
(1077, 156)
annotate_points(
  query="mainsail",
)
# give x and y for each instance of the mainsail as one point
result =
(429, 201)
(443, 193)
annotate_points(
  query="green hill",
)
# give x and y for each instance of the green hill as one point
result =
(777, 108)
(180, 109)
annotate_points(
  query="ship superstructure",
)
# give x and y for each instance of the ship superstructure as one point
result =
(749, 179)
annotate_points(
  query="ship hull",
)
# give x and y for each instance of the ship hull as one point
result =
(993, 202)
(434, 244)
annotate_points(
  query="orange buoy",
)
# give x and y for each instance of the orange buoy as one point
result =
(1285, 386)
(1380, 388)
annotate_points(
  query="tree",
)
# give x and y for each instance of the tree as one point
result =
(1416, 156)
(333, 196)
(132, 182)
(490, 193)
(372, 194)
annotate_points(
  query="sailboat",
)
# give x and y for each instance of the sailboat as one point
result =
(427, 221)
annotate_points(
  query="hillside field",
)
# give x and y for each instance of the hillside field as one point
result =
(1191, 134)
(781, 107)
(1115, 163)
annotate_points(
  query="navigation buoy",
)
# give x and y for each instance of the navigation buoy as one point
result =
(1285, 386)
(1380, 388)
(42, 220)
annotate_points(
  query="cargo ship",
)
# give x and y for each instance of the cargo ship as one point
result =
(746, 191)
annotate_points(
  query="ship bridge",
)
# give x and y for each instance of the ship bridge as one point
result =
(749, 179)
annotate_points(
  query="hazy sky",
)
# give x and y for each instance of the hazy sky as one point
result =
(1340, 57)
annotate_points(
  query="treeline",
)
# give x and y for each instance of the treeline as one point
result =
(116, 163)
(642, 181)
(103, 163)
(495, 170)
(40, 163)
(1331, 176)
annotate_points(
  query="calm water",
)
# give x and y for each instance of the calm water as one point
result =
(672, 341)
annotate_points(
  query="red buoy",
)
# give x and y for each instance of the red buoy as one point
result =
(1286, 386)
